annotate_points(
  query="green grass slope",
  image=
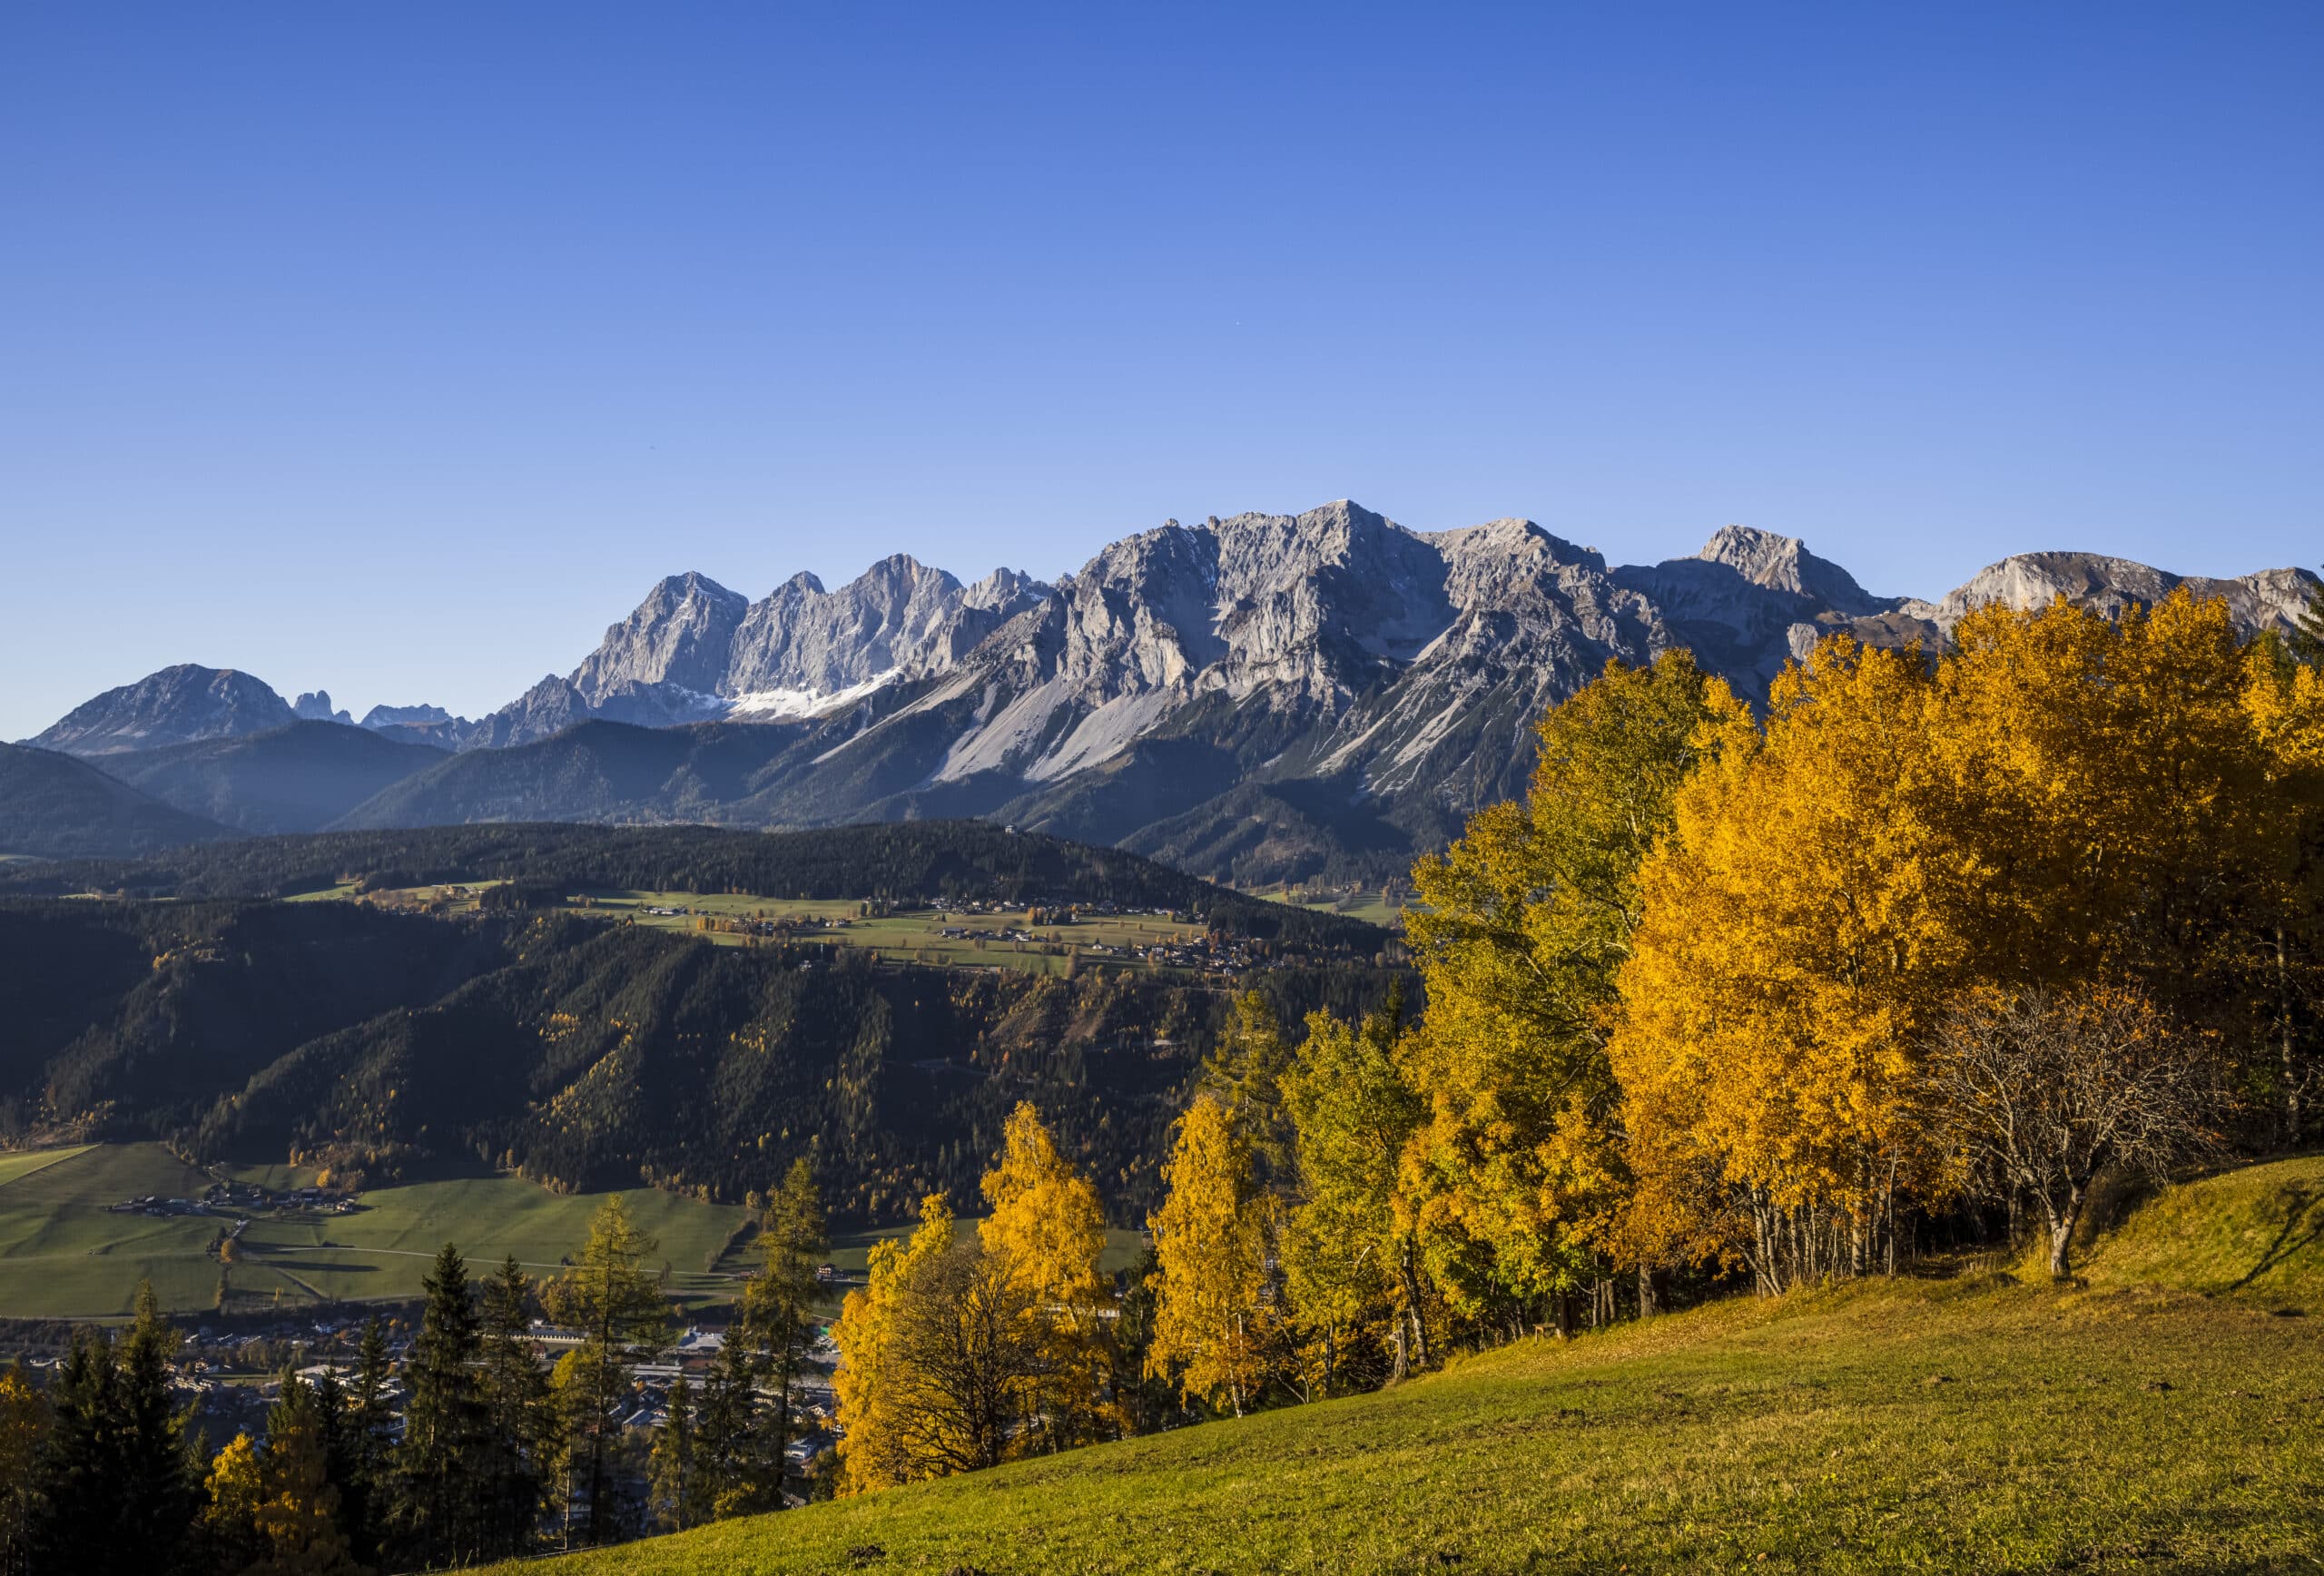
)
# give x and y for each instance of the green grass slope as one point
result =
(2255, 1233)
(1982, 1424)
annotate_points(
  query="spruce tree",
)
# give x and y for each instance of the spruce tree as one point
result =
(675, 1488)
(73, 1526)
(779, 1306)
(439, 1513)
(157, 1491)
(519, 1421)
(362, 1436)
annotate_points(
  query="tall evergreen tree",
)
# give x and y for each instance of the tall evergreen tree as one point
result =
(677, 1489)
(363, 1437)
(158, 1491)
(519, 1422)
(439, 1510)
(780, 1307)
(73, 1526)
(740, 1462)
(297, 1514)
(615, 1303)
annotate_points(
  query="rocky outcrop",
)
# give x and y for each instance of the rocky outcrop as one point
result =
(315, 707)
(170, 707)
(2271, 599)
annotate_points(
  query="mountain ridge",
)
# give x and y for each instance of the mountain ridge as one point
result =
(1268, 697)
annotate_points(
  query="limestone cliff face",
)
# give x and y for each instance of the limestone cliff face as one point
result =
(2271, 599)
(682, 634)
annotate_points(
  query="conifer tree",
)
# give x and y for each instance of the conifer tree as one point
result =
(362, 1438)
(676, 1491)
(157, 1493)
(615, 1301)
(738, 1465)
(1245, 1069)
(519, 1422)
(76, 1481)
(1046, 1222)
(439, 1510)
(296, 1516)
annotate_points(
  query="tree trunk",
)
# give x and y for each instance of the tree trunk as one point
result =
(1649, 1299)
(2293, 1115)
(2062, 1220)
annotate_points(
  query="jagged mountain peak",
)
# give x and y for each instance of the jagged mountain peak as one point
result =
(1781, 562)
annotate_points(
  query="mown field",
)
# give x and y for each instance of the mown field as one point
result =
(1981, 1423)
(63, 1254)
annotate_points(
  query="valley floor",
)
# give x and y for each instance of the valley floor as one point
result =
(1981, 1423)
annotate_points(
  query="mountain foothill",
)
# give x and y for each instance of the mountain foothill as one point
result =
(1263, 699)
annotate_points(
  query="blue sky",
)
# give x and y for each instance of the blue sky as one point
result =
(399, 349)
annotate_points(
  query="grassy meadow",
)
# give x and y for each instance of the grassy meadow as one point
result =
(1982, 1422)
(915, 936)
(63, 1253)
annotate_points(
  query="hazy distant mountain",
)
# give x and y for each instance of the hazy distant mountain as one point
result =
(169, 707)
(1254, 698)
(57, 807)
(301, 778)
(315, 707)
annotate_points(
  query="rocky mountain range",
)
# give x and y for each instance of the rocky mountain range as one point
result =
(1264, 697)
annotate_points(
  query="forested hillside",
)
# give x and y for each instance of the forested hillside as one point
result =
(584, 1054)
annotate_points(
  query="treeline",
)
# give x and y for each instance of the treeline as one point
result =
(1720, 999)
(930, 860)
(471, 1448)
(585, 1054)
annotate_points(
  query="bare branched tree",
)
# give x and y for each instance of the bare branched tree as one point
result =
(2042, 1093)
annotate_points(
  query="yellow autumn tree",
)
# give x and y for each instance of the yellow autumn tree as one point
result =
(1794, 939)
(2284, 699)
(1047, 1225)
(867, 1384)
(1518, 931)
(23, 1425)
(1216, 1323)
(942, 1357)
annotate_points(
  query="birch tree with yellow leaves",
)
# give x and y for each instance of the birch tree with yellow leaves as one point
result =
(1795, 938)
(1516, 1175)
(1217, 1323)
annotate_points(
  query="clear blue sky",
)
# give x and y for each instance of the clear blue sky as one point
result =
(398, 349)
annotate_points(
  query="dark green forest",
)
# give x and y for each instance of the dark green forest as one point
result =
(585, 1054)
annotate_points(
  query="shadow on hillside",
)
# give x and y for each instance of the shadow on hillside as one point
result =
(2301, 1226)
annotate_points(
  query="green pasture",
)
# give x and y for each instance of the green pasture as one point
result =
(25, 1162)
(63, 1253)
